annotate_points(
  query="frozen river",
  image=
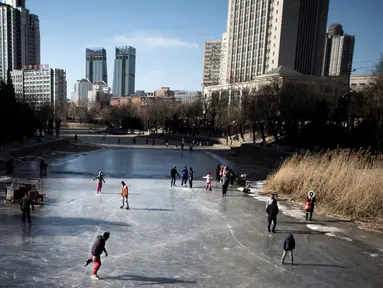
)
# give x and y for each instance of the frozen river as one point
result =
(171, 237)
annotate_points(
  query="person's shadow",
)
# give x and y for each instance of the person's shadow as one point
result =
(150, 280)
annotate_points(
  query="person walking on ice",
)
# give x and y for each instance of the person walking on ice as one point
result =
(100, 178)
(309, 206)
(288, 246)
(173, 174)
(98, 248)
(208, 181)
(124, 194)
(191, 177)
(25, 206)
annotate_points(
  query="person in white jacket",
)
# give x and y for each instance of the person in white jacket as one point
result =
(208, 181)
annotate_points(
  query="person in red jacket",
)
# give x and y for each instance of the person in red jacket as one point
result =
(97, 249)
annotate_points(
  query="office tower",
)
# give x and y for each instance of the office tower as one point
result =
(211, 63)
(81, 92)
(124, 71)
(39, 87)
(19, 37)
(265, 34)
(96, 67)
(224, 55)
(339, 52)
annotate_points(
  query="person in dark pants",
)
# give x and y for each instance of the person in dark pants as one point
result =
(134, 140)
(147, 141)
(124, 194)
(191, 177)
(41, 167)
(118, 141)
(97, 249)
(226, 181)
(173, 174)
(217, 174)
(45, 166)
(75, 138)
(25, 206)
(153, 142)
(288, 246)
(272, 212)
(184, 176)
(311, 203)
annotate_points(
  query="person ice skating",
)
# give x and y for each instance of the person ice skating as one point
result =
(75, 138)
(167, 143)
(191, 177)
(124, 194)
(310, 203)
(217, 172)
(41, 167)
(208, 181)
(97, 249)
(25, 206)
(153, 142)
(288, 246)
(191, 147)
(147, 141)
(272, 212)
(184, 174)
(45, 166)
(225, 180)
(173, 174)
(134, 141)
(100, 178)
(118, 141)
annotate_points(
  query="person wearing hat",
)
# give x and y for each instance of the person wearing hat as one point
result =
(98, 248)
(100, 178)
(310, 203)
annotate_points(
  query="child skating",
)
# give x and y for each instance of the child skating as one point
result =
(288, 246)
(124, 194)
(97, 249)
(208, 181)
(100, 178)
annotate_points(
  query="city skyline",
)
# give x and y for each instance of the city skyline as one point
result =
(174, 44)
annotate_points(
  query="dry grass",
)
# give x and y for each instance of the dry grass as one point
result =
(347, 183)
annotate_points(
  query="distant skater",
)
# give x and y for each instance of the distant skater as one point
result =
(75, 138)
(191, 177)
(217, 172)
(41, 167)
(184, 174)
(97, 249)
(288, 247)
(225, 180)
(45, 166)
(100, 178)
(153, 143)
(124, 194)
(25, 206)
(173, 174)
(309, 207)
(118, 141)
(208, 181)
(134, 141)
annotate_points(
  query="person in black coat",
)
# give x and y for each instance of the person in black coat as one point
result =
(191, 177)
(272, 212)
(288, 246)
(173, 174)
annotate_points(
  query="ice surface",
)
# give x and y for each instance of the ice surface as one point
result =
(171, 237)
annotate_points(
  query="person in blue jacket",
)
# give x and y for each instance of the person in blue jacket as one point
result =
(288, 246)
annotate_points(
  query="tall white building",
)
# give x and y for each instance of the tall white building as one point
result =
(265, 34)
(224, 56)
(19, 37)
(81, 91)
(211, 63)
(339, 52)
(40, 87)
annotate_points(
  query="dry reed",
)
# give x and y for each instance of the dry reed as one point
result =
(347, 183)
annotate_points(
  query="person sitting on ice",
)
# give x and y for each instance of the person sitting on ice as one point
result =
(208, 181)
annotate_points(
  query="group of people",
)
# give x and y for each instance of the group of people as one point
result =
(186, 175)
(272, 212)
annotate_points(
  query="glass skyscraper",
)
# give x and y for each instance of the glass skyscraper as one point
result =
(124, 71)
(96, 68)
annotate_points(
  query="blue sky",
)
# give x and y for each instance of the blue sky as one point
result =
(169, 35)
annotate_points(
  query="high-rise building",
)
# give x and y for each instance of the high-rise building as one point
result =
(81, 92)
(124, 71)
(339, 52)
(211, 63)
(224, 55)
(41, 86)
(96, 67)
(19, 37)
(265, 34)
